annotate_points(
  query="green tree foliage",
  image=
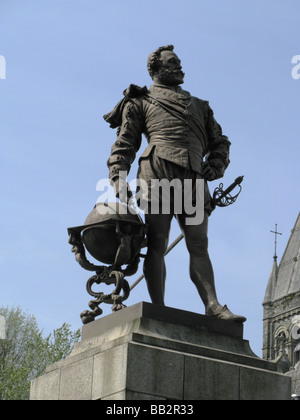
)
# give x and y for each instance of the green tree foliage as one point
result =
(25, 353)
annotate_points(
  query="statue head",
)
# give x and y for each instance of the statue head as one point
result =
(164, 66)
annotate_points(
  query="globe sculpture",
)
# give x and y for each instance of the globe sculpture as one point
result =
(113, 234)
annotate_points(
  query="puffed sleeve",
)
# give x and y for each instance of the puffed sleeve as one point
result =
(129, 137)
(218, 145)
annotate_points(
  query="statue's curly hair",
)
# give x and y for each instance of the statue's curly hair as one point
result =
(153, 59)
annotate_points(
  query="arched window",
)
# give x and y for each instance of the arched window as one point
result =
(295, 333)
(280, 342)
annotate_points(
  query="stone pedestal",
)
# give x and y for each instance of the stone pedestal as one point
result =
(149, 352)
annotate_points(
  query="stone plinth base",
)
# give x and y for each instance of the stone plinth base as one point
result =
(149, 352)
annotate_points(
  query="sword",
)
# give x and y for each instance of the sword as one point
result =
(223, 198)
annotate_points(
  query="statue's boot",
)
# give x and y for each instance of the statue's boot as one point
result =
(222, 312)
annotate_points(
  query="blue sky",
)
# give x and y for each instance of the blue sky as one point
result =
(67, 64)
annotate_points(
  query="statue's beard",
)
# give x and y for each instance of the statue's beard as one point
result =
(171, 77)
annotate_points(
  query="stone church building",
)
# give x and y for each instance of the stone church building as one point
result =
(281, 318)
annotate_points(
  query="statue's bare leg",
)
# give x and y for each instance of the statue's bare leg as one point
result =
(154, 265)
(201, 270)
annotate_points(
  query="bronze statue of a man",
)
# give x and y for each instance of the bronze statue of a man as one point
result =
(181, 132)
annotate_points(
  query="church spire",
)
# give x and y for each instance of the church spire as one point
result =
(289, 269)
(270, 292)
(272, 283)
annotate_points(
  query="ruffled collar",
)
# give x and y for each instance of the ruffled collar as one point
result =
(175, 92)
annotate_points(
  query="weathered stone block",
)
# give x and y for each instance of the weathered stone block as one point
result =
(109, 372)
(46, 387)
(258, 384)
(155, 371)
(76, 380)
(207, 379)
